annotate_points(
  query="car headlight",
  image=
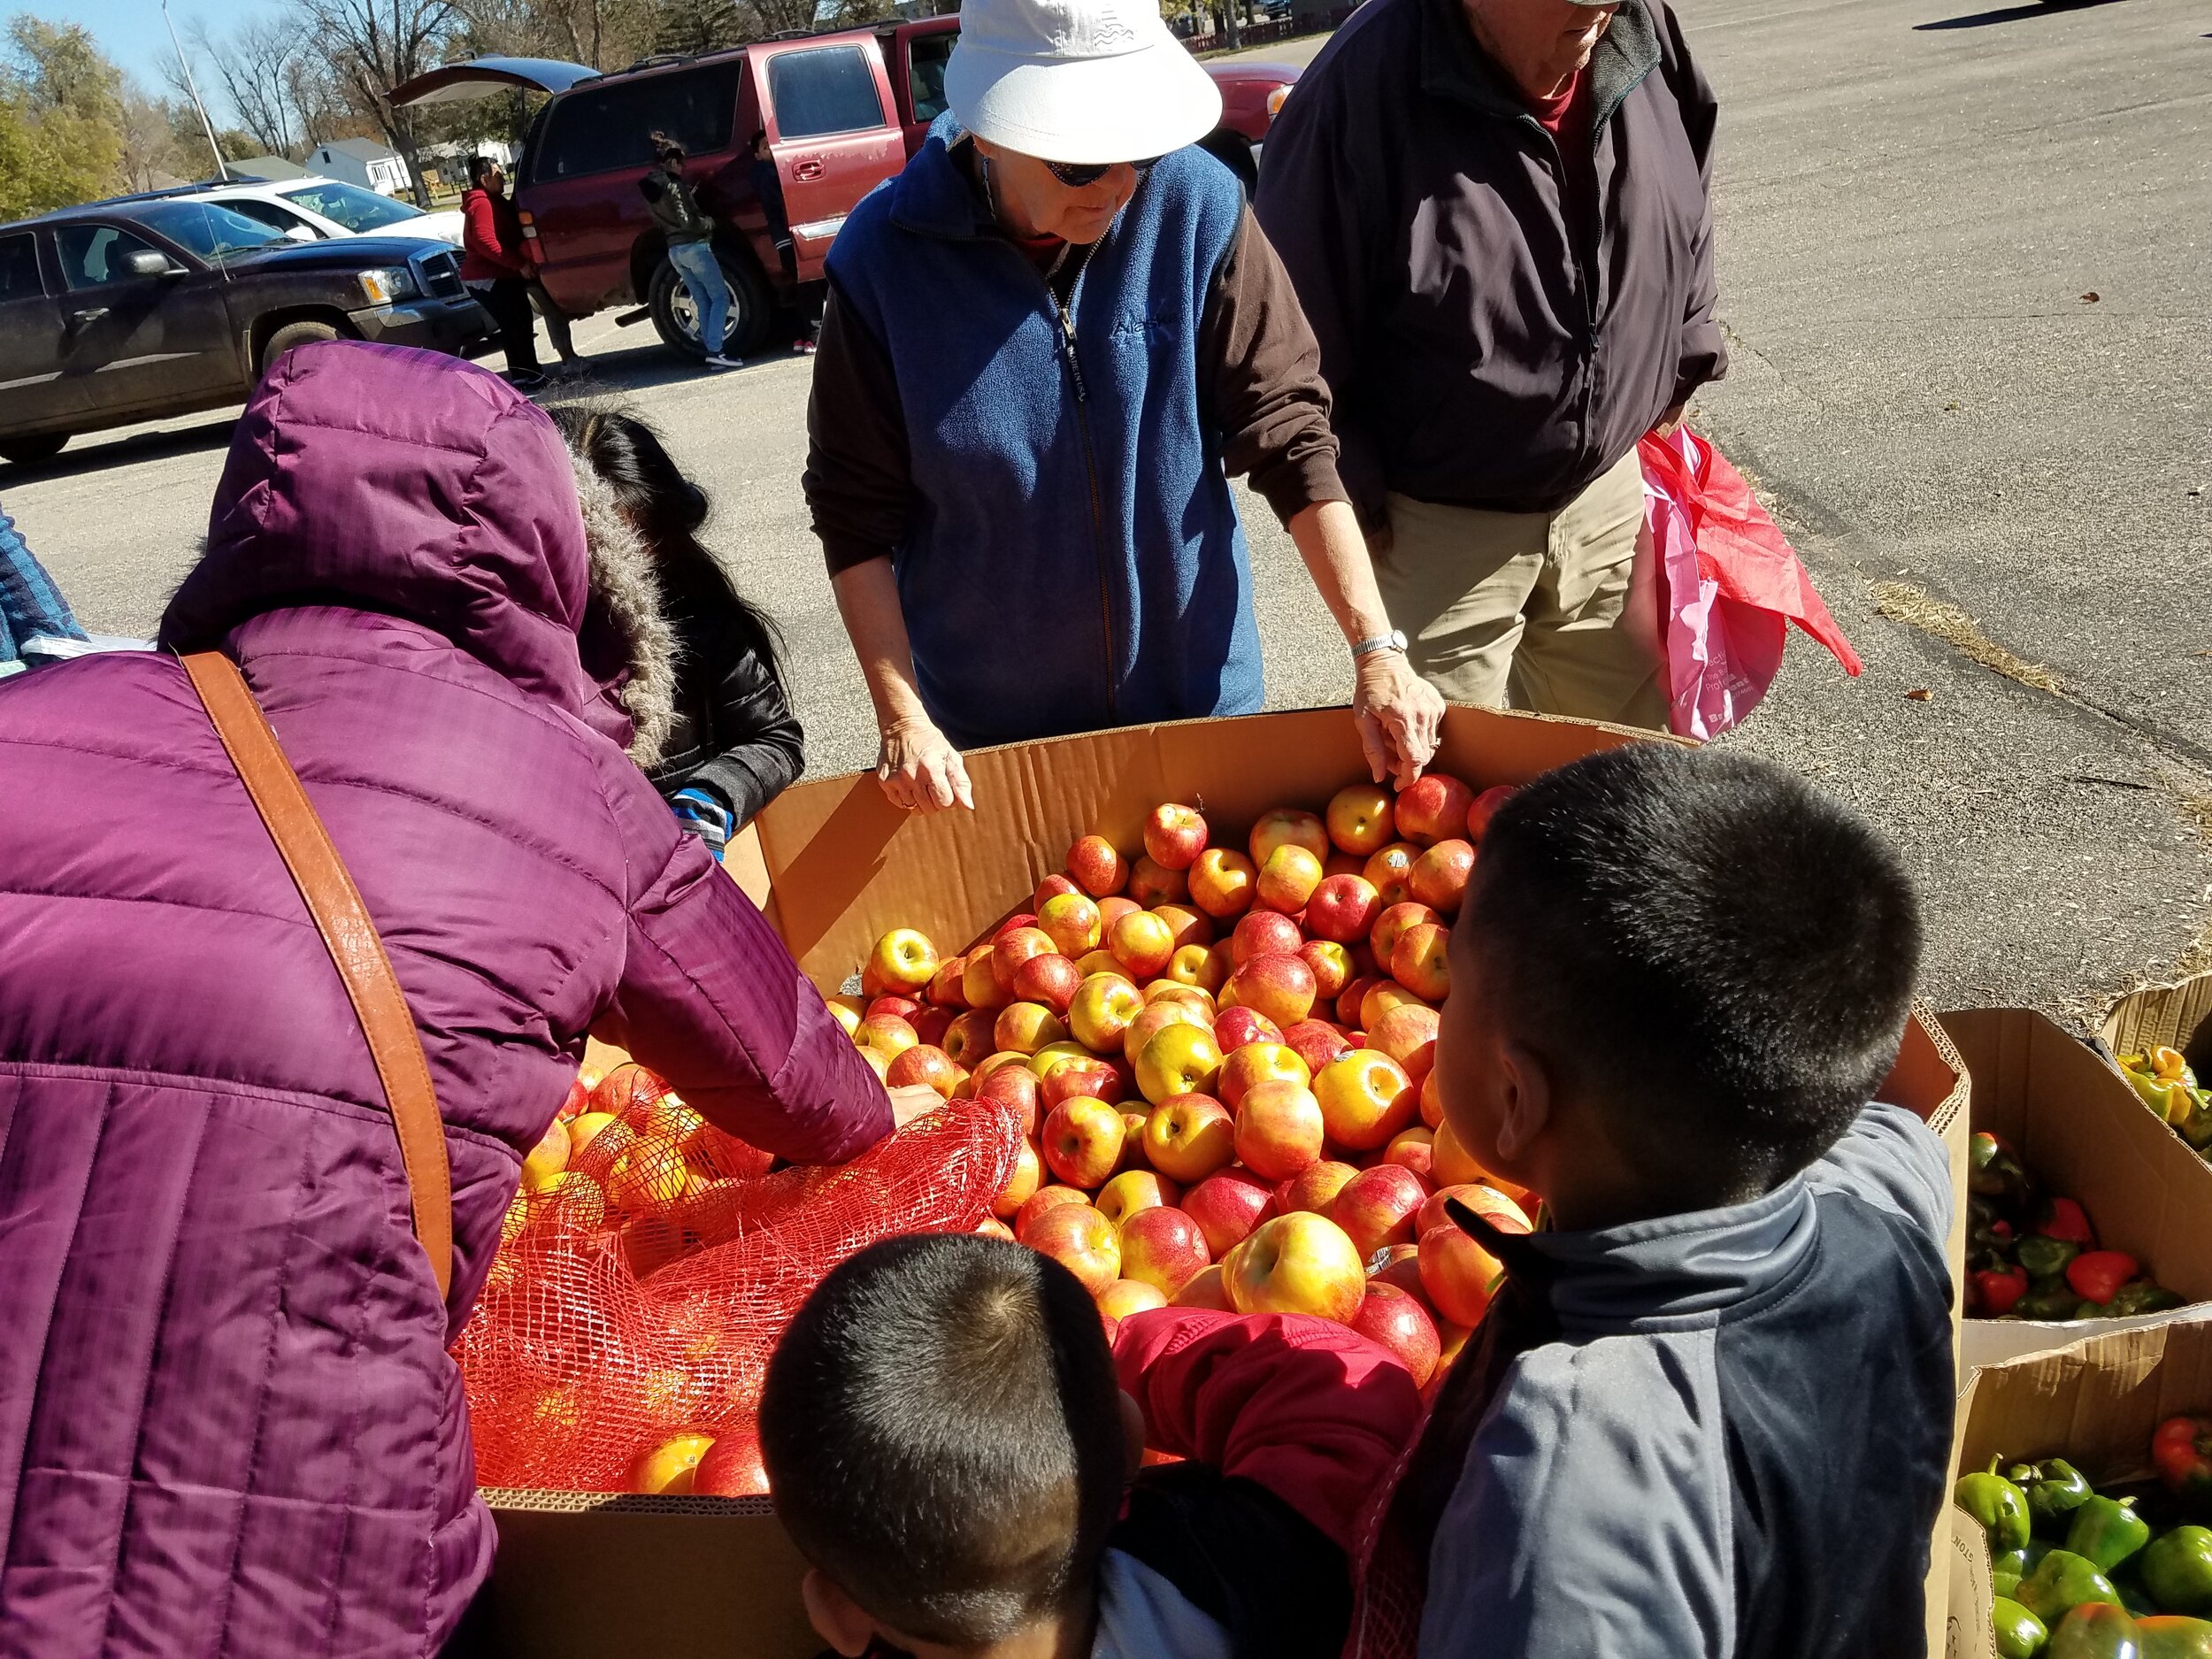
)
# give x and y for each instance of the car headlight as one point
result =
(388, 283)
(1275, 102)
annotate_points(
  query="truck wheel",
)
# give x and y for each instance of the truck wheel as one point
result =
(677, 320)
(29, 451)
(1231, 150)
(291, 334)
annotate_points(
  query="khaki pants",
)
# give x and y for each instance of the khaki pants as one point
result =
(1550, 611)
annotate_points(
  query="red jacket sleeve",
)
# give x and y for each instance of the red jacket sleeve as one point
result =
(1313, 1411)
(479, 233)
(711, 1001)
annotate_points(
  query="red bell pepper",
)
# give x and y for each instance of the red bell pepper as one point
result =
(2097, 1275)
(2068, 1221)
(2181, 1451)
(1995, 1289)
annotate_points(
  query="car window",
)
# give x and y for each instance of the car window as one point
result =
(926, 57)
(94, 254)
(208, 228)
(19, 268)
(612, 126)
(269, 213)
(831, 89)
(348, 205)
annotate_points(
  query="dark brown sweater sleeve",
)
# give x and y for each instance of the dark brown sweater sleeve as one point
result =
(1265, 385)
(859, 483)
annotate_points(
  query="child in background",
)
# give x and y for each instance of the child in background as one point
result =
(733, 745)
(1709, 1413)
(947, 1447)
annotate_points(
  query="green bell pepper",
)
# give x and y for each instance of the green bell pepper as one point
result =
(2177, 1569)
(2056, 1489)
(2007, 1571)
(1999, 1505)
(2020, 1634)
(2166, 1638)
(2043, 1256)
(2061, 1583)
(2049, 1299)
(2106, 1531)
(2095, 1630)
(2141, 1295)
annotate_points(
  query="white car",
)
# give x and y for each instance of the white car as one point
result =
(312, 210)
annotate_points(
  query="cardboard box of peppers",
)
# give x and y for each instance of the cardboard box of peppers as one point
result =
(2085, 1574)
(2033, 1255)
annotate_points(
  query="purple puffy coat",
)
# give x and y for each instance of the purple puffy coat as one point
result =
(227, 1420)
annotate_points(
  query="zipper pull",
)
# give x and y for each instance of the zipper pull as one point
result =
(1067, 350)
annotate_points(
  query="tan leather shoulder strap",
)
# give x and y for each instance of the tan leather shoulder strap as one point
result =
(351, 936)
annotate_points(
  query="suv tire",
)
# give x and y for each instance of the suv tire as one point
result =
(750, 309)
(30, 451)
(292, 334)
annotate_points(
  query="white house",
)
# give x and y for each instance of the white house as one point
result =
(361, 161)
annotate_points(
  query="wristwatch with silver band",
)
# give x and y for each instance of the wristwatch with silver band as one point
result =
(1394, 640)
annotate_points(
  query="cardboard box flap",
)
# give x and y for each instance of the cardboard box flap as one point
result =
(1967, 1631)
(2177, 1016)
(2096, 1403)
(845, 866)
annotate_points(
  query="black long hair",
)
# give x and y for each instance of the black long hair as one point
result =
(667, 509)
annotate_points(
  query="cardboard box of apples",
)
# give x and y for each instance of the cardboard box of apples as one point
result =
(1221, 1050)
(1219, 1023)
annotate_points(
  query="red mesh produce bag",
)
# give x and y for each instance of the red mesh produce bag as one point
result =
(642, 1295)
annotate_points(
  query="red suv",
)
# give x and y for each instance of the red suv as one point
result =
(842, 112)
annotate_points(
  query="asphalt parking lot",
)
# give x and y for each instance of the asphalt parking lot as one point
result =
(1964, 273)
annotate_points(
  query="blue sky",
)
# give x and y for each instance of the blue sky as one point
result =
(131, 31)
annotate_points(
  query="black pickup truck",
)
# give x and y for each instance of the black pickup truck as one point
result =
(155, 305)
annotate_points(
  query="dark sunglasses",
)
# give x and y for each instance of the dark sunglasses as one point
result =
(1077, 174)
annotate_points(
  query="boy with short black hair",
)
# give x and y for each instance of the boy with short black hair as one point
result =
(1709, 1412)
(951, 1448)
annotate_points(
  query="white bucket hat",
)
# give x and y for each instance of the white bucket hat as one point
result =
(1086, 81)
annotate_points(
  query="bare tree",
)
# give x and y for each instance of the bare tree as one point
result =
(255, 65)
(374, 45)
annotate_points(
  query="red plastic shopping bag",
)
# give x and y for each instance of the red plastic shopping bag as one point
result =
(1729, 586)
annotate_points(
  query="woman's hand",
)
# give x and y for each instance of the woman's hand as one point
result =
(919, 770)
(910, 1101)
(1400, 715)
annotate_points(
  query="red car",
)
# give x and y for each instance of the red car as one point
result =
(842, 112)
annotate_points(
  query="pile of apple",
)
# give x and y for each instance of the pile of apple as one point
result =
(1222, 1058)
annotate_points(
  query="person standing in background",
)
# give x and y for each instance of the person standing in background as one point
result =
(495, 269)
(32, 609)
(1498, 215)
(689, 236)
(768, 186)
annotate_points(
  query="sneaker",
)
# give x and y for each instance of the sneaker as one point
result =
(717, 361)
(804, 348)
(526, 381)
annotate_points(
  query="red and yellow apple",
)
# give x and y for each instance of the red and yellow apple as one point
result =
(1342, 908)
(1043, 1199)
(1263, 934)
(667, 1468)
(1484, 808)
(1299, 1263)
(1097, 868)
(1390, 926)
(1015, 946)
(1163, 1247)
(1359, 819)
(1408, 1035)
(1276, 984)
(1431, 807)
(1174, 836)
(1252, 1064)
(1458, 1274)
(1415, 1148)
(1365, 1098)
(1050, 889)
(1080, 1240)
(1221, 882)
(1028, 1174)
(1288, 827)
(1400, 1322)
(1381, 997)
(1197, 965)
(1151, 884)
(732, 1467)
(1181, 1058)
(1087, 1075)
(1227, 1205)
(1235, 1026)
(1132, 1190)
(972, 1037)
(1390, 872)
(1189, 926)
(1440, 877)
(923, 1063)
(1190, 996)
(1188, 1136)
(1377, 1207)
(1204, 1289)
(1127, 1296)
(898, 1007)
(1287, 879)
(978, 981)
(1071, 921)
(1315, 1187)
(904, 960)
(1026, 1028)
(1315, 1042)
(545, 1162)
(1142, 943)
(1279, 1130)
(1081, 1141)
(888, 1034)
(1332, 965)
(1051, 979)
(1102, 1009)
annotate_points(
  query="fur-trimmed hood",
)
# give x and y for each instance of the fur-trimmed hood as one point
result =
(628, 626)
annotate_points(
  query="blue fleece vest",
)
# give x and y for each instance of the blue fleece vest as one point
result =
(1075, 560)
